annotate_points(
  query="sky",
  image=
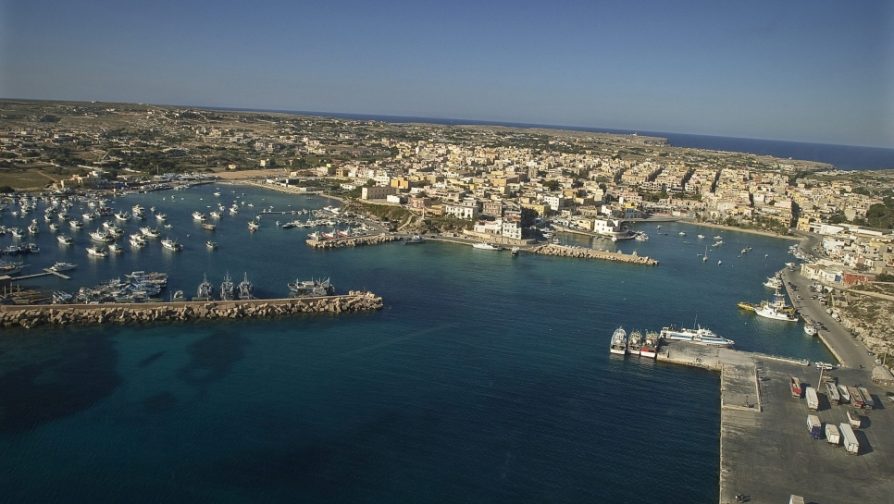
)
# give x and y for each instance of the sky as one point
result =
(802, 70)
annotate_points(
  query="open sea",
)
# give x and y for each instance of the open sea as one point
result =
(486, 378)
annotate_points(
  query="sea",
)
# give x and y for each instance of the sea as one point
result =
(486, 377)
(841, 157)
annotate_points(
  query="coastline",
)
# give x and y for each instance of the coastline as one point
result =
(724, 227)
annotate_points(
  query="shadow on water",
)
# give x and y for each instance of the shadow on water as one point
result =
(152, 358)
(213, 357)
(79, 371)
(160, 403)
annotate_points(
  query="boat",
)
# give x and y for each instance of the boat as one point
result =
(178, 296)
(203, 293)
(137, 240)
(33, 227)
(149, 232)
(810, 329)
(288, 225)
(208, 226)
(122, 216)
(414, 240)
(61, 297)
(514, 251)
(795, 386)
(705, 255)
(253, 226)
(171, 244)
(744, 305)
(75, 224)
(634, 342)
(53, 227)
(114, 248)
(701, 237)
(215, 215)
(699, 335)
(198, 216)
(682, 233)
(160, 217)
(210, 245)
(64, 239)
(773, 282)
(246, 289)
(776, 309)
(619, 342)
(650, 345)
(641, 236)
(824, 366)
(486, 246)
(101, 236)
(305, 288)
(60, 266)
(227, 288)
(97, 251)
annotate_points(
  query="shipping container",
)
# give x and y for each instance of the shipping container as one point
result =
(814, 426)
(850, 440)
(832, 434)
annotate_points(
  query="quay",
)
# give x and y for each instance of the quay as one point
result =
(766, 452)
(29, 316)
(353, 241)
(588, 253)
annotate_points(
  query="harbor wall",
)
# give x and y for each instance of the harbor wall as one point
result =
(352, 242)
(29, 316)
(588, 253)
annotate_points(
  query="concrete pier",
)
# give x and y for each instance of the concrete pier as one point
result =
(766, 452)
(589, 253)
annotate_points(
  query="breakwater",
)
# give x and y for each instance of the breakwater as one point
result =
(29, 316)
(588, 253)
(356, 241)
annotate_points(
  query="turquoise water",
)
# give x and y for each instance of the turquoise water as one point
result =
(485, 379)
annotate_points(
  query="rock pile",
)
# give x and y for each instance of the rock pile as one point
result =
(588, 253)
(352, 242)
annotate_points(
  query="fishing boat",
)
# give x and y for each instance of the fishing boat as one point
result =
(253, 226)
(60, 266)
(306, 288)
(122, 216)
(204, 292)
(64, 239)
(210, 245)
(198, 216)
(114, 248)
(618, 344)
(810, 329)
(776, 309)
(634, 342)
(207, 226)
(246, 289)
(171, 244)
(650, 345)
(137, 240)
(227, 288)
(97, 251)
(773, 282)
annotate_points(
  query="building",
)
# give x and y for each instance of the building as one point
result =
(459, 211)
(374, 193)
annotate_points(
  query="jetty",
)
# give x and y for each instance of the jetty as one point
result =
(352, 241)
(30, 316)
(766, 452)
(589, 253)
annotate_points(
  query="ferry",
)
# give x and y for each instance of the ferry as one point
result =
(619, 342)
(486, 246)
(700, 335)
(650, 345)
(795, 385)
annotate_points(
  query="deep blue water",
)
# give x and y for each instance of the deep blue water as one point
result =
(486, 378)
(843, 157)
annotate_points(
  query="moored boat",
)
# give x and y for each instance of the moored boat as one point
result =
(618, 342)
(700, 335)
(486, 246)
(650, 345)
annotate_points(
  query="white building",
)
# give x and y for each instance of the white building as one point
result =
(461, 211)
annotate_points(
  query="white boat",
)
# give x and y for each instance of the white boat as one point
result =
(59, 267)
(198, 216)
(171, 244)
(700, 335)
(641, 236)
(650, 345)
(253, 226)
(149, 232)
(682, 233)
(701, 237)
(619, 342)
(97, 251)
(160, 217)
(64, 240)
(810, 329)
(485, 246)
(114, 248)
(768, 310)
(773, 282)
(122, 216)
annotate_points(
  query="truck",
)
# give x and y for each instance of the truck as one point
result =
(832, 390)
(868, 402)
(857, 399)
(812, 398)
(833, 437)
(814, 426)
(850, 440)
(854, 419)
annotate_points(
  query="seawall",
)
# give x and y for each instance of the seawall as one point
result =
(352, 242)
(28, 316)
(588, 253)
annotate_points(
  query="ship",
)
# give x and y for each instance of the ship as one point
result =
(634, 342)
(227, 288)
(619, 342)
(171, 244)
(311, 288)
(246, 289)
(486, 246)
(775, 310)
(650, 345)
(203, 293)
(700, 335)
(795, 385)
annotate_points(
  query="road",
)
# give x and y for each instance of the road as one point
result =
(850, 352)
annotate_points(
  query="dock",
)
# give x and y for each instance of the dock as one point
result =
(590, 253)
(766, 452)
(43, 273)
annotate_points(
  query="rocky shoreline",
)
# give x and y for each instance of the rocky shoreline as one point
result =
(352, 242)
(588, 253)
(29, 316)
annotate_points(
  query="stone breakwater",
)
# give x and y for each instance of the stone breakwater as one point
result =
(28, 316)
(588, 253)
(352, 242)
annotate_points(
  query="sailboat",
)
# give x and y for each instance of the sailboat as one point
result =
(705, 255)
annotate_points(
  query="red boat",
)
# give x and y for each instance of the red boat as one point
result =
(796, 387)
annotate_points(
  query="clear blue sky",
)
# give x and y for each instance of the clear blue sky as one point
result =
(809, 70)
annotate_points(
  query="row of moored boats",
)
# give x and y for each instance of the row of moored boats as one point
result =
(647, 344)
